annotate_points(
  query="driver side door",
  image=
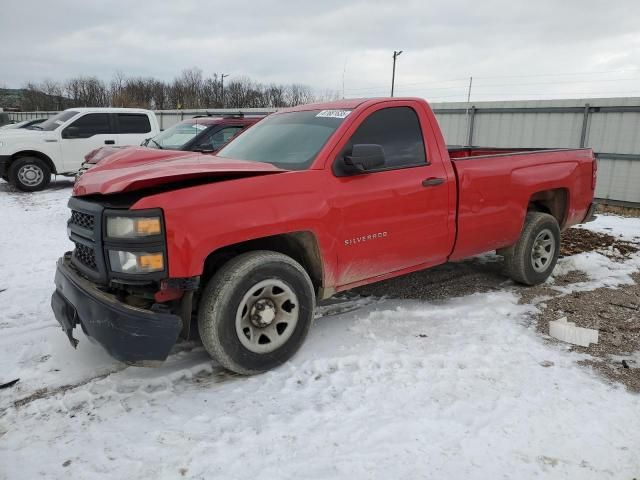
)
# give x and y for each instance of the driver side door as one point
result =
(86, 133)
(394, 217)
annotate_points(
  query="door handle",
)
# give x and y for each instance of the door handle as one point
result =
(432, 182)
(109, 142)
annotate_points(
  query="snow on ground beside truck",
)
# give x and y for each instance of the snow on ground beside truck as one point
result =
(384, 388)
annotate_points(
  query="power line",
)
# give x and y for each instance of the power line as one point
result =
(480, 87)
(381, 87)
(495, 95)
(462, 95)
(559, 82)
(567, 74)
(628, 92)
(404, 84)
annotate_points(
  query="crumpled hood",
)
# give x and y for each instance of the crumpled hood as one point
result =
(99, 154)
(109, 158)
(137, 169)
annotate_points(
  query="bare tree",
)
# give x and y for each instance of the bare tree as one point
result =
(86, 92)
(275, 96)
(190, 89)
(211, 95)
(186, 90)
(296, 94)
(158, 95)
(44, 96)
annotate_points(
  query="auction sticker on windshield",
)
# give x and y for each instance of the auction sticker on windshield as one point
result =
(334, 113)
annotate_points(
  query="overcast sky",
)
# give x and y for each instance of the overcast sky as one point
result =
(514, 49)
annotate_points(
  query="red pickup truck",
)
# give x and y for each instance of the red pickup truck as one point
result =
(311, 201)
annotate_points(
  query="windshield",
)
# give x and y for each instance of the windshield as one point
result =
(286, 140)
(17, 125)
(176, 137)
(54, 122)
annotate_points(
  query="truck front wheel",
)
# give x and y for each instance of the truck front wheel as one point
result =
(532, 259)
(256, 311)
(29, 174)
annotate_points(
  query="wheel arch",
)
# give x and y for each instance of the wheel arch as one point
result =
(554, 202)
(33, 153)
(301, 246)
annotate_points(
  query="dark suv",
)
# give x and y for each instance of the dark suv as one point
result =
(203, 133)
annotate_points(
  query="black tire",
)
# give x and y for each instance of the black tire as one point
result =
(524, 265)
(19, 178)
(228, 289)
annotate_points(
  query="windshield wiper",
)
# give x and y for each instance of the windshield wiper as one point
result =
(159, 146)
(31, 127)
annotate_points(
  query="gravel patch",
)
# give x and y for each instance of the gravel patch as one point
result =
(615, 313)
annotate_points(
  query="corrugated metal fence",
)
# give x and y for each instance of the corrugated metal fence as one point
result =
(611, 126)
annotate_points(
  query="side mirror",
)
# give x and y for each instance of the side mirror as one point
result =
(71, 132)
(364, 157)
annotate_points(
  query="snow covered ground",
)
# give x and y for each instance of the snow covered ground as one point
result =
(461, 388)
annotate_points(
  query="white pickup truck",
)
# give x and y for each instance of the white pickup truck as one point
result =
(28, 157)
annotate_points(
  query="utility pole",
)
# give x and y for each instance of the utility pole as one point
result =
(393, 75)
(222, 75)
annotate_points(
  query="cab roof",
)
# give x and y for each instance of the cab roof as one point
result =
(108, 110)
(215, 119)
(344, 104)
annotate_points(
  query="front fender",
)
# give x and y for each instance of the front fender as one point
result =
(200, 220)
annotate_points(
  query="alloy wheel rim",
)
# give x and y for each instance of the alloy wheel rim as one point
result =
(267, 316)
(544, 248)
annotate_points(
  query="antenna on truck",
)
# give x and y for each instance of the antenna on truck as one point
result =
(466, 112)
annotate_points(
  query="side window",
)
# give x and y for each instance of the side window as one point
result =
(133, 123)
(89, 125)
(398, 130)
(221, 137)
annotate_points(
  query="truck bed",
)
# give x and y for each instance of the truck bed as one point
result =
(495, 189)
(457, 152)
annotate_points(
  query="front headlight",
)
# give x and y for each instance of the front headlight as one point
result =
(136, 262)
(133, 227)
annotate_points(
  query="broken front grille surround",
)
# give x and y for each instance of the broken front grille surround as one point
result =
(90, 256)
(85, 231)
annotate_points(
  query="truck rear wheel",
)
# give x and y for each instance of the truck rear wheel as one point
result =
(256, 311)
(29, 174)
(532, 259)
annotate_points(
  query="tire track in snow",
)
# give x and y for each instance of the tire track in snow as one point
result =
(179, 369)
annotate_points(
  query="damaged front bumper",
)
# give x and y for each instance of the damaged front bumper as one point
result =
(132, 335)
